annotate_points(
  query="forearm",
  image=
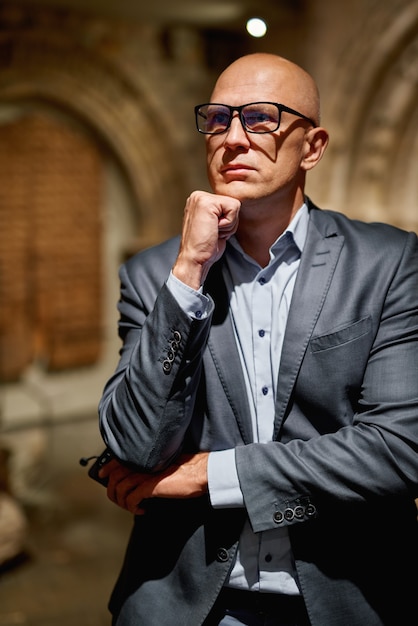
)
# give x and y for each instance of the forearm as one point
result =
(147, 405)
(131, 490)
(356, 466)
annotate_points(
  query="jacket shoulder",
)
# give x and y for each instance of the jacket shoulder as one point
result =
(148, 270)
(154, 261)
(165, 251)
(373, 234)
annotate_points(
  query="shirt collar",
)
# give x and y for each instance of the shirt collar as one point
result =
(295, 233)
(298, 228)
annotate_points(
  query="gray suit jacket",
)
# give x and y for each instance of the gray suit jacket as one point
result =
(342, 471)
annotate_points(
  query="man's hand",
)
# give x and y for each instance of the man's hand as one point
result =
(186, 478)
(209, 221)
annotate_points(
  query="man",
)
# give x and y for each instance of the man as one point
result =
(264, 412)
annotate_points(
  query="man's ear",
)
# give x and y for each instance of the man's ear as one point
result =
(316, 143)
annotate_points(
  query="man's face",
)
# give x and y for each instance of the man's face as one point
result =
(250, 166)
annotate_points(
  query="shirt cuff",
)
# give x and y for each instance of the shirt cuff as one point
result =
(194, 303)
(223, 483)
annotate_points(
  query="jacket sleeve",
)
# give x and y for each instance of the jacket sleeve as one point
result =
(374, 455)
(147, 404)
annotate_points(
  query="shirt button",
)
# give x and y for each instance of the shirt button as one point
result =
(198, 314)
(262, 280)
(268, 558)
(265, 391)
(261, 333)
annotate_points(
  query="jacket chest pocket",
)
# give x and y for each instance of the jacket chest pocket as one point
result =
(334, 364)
(356, 332)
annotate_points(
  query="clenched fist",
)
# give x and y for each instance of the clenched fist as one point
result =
(209, 221)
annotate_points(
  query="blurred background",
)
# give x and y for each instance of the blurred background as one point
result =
(98, 152)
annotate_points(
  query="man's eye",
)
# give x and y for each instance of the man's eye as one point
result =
(218, 119)
(257, 117)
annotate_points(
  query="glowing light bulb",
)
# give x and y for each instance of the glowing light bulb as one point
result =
(256, 27)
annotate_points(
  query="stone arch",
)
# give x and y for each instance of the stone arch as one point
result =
(373, 117)
(48, 65)
(75, 66)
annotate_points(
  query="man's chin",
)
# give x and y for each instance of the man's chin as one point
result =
(236, 189)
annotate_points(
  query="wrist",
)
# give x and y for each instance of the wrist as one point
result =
(191, 274)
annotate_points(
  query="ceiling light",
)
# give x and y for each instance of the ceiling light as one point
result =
(256, 27)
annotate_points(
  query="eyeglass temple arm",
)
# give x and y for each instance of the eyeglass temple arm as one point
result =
(294, 112)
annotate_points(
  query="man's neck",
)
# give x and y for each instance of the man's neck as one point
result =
(257, 232)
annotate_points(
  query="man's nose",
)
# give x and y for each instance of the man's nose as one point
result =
(236, 133)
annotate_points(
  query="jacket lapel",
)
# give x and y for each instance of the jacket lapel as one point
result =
(320, 255)
(224, 352)
(318, 261)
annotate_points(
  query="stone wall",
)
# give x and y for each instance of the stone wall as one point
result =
(365, 55)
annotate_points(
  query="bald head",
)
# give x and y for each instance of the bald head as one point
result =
(268, 77)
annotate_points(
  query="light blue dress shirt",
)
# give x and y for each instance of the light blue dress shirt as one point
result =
(259, 305)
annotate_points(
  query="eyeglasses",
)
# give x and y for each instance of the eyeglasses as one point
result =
(256, 117)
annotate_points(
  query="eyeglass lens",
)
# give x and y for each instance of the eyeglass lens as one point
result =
(261, 117)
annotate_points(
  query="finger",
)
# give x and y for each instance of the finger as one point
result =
(229, 218)
(133, 502)
(229, 207)
(226, 230)
(121, 483)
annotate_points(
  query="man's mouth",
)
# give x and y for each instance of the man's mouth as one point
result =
(235, 169)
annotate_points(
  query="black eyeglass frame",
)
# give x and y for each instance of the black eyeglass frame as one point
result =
(280, 108)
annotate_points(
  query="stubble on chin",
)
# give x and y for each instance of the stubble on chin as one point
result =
(239, 190)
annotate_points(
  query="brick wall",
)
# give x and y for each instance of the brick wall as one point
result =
(50, 243)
